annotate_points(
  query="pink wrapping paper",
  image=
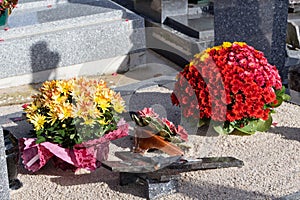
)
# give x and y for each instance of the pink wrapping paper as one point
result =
(87, 155)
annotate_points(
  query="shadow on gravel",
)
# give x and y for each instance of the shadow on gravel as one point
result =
(287, 132)
(205, 190)
(101, 176)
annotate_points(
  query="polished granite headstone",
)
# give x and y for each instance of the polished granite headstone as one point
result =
(200, 26)
(159, 10)
(4, 186)
(260, 23)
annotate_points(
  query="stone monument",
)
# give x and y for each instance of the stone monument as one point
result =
(4, 186)
(46, 42)
(260, 23)
(159, 10)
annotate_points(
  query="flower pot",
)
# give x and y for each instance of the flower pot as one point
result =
(87, 155)
(3, 19)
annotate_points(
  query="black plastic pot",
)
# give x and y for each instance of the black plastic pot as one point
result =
(12, 159)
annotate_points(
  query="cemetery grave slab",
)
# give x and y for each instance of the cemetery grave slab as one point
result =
(161, 174)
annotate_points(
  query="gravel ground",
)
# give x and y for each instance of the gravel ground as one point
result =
(271, 169)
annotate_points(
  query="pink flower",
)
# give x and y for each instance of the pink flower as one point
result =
(182, 133)
(148, 112)
(24, 106)
(162, 124)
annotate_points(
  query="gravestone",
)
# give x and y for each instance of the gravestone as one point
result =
(260, 23)
(4, 186)
(70, 37)
(159, 10)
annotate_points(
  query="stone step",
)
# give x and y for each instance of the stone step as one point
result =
(42, 19)
(68, 33)
(200, 26)
(174, 29)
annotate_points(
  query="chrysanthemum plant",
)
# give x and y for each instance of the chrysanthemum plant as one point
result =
(7, 5)
(69, 112)
(161, 126)
(231, 87)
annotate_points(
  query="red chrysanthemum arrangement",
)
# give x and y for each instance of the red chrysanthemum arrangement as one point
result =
(232, 84)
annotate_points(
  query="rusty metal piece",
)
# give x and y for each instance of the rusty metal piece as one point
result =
(145, 140)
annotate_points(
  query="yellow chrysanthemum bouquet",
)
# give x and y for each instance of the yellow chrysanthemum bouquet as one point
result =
(74, 114)
(69, 112)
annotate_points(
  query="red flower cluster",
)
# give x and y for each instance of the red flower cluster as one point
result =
(227, 83)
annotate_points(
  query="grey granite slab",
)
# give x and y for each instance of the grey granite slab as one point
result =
(201, 27)
(260, 23)
(48, 38)
(32, 4)
(40, 15)
(159, 10)
(174, 45)
(4, 186)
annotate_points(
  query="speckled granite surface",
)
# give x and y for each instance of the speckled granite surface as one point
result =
(260, 23)
(67, 33)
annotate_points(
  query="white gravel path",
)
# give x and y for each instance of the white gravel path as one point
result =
(271, 170)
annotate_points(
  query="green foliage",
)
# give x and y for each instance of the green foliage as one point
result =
(249, 125)
(281, 96)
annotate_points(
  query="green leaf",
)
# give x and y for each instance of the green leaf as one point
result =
(280, 100)
(264, 125)
(281, 96)
(175, 139)
(280, 92)
(39, 132)
(223, 130)
(228, 128)
(286, 97)
(40, 139)
(219, 129)
(58, 139)
(61, 132)
(250, 128)
(72, 136)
